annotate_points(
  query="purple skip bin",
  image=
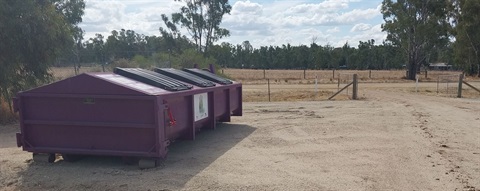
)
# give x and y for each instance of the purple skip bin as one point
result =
(133, 113)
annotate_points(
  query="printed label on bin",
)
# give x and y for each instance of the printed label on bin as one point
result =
(200, 102)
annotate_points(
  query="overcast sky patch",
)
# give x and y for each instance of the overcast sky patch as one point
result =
(262, 23)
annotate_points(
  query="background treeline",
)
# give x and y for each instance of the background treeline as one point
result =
(145, 51)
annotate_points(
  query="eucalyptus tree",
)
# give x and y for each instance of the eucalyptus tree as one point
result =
(418, 27)
(202, 19)
(467, 44)
(33, 35)
(72, 10)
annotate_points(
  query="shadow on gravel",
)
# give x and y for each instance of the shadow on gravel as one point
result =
(185, 160)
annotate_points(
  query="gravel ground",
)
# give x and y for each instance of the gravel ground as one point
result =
(387, 141)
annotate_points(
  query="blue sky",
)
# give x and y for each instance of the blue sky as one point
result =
(263, 23)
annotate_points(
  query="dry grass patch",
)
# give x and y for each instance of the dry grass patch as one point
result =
(60, 73)
(290, 95)
(329, 76)
(6, 116)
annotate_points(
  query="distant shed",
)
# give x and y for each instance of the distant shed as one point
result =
(440, 66)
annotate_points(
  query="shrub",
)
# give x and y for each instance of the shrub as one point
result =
(6, 115)
(124, 63)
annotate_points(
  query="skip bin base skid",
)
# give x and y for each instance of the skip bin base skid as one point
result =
(109, 114)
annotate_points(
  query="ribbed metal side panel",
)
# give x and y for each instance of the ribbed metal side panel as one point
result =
(185, 77)
(152, 78)
(208, 76)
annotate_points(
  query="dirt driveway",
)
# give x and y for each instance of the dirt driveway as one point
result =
(389, 141)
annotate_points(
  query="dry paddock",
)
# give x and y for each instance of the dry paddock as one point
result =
(393, 138)
(387, 141)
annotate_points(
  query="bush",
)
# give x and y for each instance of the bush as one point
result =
(6, 115)
(142, 62)
(123, 63)
(187, 59)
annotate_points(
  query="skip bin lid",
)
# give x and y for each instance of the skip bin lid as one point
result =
(152, 78)
(207, 75)
(185, 77)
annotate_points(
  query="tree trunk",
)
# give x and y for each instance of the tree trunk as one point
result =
(478, 70)
(412, 68)
(412, 71)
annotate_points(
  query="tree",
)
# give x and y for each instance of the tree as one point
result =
(364, 55)
(202, 19)
(169, 35)
(72, 11)
(418, 27)
(32, 35)
(98, 47)
(223, 54)
(467, 45)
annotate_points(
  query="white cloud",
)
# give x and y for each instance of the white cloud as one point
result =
(361, 27)
(333, 30)
(328, 13)
(143, 17)
(262, 23)
(247, 8)
(99, 12)
(374, 33)
(358, 15)
(323, 7)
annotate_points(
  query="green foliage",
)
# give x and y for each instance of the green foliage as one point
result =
(142, 61)
(163, 60)
(123, 63)
(366, 56)
(190, 57)
(153, 51)
(72, 11)
(418, 27)
(187, 59)
(32, 35)
(126, 44)
(467, 45)
(202, 20)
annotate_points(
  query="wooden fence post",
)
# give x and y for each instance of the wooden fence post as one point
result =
(338, 83)
(355, 87)
(264, 76)
(370, 74)
(268, 81)
(460, 82)
(438, 83)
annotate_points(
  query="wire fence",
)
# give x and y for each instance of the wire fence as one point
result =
(448, 85)
(344, 79)
(329, 76)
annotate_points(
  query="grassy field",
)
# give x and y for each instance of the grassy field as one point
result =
(326, 76)
(294, 144)
(299, 85)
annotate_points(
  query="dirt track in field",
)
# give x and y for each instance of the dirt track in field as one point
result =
(390, 140)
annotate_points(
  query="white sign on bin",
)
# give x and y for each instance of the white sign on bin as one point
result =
(200, 102)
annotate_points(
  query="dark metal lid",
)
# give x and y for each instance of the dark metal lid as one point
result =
(207, 75)
(152, 78)
(185, 77)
